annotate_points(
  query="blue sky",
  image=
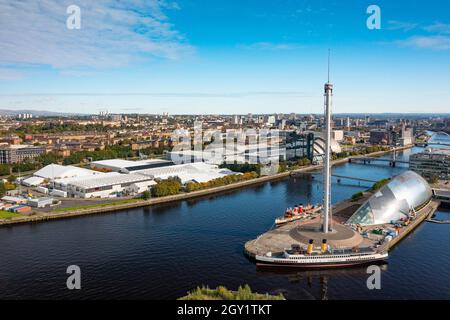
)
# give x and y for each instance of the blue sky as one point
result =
(231, 57)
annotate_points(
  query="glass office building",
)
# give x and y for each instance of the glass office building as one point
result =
(432, 163)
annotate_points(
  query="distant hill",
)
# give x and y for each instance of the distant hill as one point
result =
(40, 113)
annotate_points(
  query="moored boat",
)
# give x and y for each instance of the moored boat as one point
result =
(320, 259)
(297, 213)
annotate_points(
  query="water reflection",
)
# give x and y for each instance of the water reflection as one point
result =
(163, 251)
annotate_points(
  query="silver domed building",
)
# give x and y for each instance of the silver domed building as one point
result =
(319, 146)
(407, 191)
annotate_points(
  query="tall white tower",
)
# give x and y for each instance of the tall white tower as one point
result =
(327, 162)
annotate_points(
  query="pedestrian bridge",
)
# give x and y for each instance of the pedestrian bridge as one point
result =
(368, 160)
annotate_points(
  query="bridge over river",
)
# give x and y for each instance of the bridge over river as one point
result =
(368, 160)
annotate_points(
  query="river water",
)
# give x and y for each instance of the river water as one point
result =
(161, 252)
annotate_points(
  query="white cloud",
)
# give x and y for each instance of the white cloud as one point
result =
(270, 46)
(241, 94)
(401, 25)
(10, 74)
(437, 42)
(113, 33)
(438, 27)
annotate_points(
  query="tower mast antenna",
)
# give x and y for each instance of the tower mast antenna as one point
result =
(329, 54)
(327, 216)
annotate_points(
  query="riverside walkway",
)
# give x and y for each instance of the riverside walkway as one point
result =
(422, 215)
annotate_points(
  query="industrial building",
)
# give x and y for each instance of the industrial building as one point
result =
(127, 166)
(192, 172)
(117, 177)
(55, 172)
(107, 185)
(432, 163)
(40, 202)
(400, 198)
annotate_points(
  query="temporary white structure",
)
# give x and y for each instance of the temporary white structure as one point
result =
(197, 172)
(32, 181)
(103, 186)
(56, 171)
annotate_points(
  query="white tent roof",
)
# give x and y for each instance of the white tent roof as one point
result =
(197, 171)
(116, 163)
(109, 179)
(122, 164)
(33, 181)
(56, 171)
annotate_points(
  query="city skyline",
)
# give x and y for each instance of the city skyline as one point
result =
(216, 57)
(211, 150)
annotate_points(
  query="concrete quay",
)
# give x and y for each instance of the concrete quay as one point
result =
(299, 232)
(422, 215)
(279, 239)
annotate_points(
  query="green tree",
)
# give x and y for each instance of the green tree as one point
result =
(356, 196)
(282, 167)
(378, 185)
(166, 187)
(146, 195)
(4, 169)
(2, 189)
(242, 167)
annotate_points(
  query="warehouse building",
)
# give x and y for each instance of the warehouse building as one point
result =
(126, 177)
(127, 166)
(107, 185)
(40, 202)
(193, 172)
(56, 171)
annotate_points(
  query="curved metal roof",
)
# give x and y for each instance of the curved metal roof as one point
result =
(393, 201)
(319, 146)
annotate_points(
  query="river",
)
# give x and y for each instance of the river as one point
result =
(161, 252)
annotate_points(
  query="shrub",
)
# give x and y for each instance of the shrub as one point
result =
(303, 162)
(242, 167)
(357, 196)
(166, 187)
(2, 189)
(222, 293)
(146, 195)
(193, 186)
(378, 185)
(433, 179)
(282, 168)
(10, 186)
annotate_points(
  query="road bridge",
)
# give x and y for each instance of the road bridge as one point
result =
(368, 160)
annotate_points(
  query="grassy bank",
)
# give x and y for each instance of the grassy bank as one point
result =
(8, 215)
(222, 293)
(97, 205)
